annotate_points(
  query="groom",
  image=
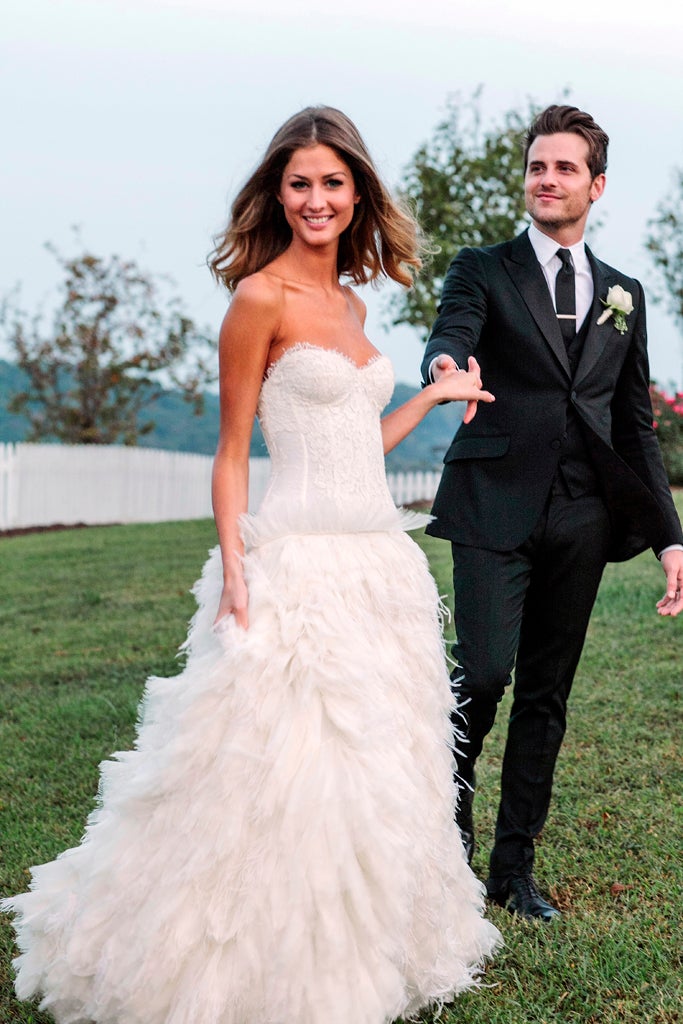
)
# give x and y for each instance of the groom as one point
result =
(562, 474)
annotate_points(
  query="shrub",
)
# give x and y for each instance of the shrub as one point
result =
(667, 413)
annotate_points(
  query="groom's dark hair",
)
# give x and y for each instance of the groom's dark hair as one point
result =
(570, 119)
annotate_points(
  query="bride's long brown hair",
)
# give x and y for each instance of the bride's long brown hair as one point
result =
(383, 240)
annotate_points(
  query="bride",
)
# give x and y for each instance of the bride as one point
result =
(279, 847)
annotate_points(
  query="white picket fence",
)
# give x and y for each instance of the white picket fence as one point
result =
(49, 484)
(417, 485)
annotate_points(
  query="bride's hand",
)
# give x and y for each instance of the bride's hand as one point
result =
(462, 386)
(234, 601)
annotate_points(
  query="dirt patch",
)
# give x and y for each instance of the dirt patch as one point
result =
(19, 531)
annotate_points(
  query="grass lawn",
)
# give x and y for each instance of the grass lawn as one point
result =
(86, 615)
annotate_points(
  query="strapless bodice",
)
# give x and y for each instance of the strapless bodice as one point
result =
(320, 416)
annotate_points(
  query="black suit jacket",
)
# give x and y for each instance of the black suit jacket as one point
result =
(500, 467)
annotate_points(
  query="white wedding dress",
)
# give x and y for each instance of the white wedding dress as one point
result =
(279, 847)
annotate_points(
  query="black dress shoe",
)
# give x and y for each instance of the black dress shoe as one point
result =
(522, 898)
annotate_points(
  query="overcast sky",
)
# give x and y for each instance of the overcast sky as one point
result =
(139, 120)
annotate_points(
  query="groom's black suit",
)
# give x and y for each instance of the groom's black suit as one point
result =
(561, 474)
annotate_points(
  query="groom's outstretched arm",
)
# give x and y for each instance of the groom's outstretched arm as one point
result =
(461, 313)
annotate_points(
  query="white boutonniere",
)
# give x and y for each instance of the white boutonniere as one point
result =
(618, 304)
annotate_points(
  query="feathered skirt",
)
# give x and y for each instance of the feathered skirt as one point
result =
(279, 847)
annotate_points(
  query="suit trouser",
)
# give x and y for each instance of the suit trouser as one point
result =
(528, 608)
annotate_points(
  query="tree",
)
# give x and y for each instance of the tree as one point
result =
(117, 340)
(466, 187)
(665, 245)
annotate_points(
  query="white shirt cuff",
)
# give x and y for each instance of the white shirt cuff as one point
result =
(671, 547)
(431, 367)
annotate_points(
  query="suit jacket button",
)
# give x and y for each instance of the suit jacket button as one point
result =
(556, 445)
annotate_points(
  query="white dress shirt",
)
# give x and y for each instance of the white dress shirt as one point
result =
(546, 254)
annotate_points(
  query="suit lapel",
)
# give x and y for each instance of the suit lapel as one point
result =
(597, 337)
(526, 273)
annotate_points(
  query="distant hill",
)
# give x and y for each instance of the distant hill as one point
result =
(12, 428)
(178, 429)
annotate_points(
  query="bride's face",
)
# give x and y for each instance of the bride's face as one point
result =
(318, 195)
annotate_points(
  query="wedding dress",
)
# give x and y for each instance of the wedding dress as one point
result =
(279, 847)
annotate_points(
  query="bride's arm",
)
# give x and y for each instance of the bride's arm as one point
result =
(246, 334)
(458, 385)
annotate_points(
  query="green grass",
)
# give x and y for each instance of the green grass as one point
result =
(86, 615)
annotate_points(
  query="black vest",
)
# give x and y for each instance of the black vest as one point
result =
(575, 472)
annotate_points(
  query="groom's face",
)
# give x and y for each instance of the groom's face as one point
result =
(558, 186)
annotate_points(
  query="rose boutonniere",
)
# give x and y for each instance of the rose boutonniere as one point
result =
(618, 304)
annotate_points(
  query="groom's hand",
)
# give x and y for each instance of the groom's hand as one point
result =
(471, 410)
(441, 365)
(444, 365)
(672, 602)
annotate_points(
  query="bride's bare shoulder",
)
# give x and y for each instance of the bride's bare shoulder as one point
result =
(261, 289)
(254, 313)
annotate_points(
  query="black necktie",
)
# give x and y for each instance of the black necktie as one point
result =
(565, 296)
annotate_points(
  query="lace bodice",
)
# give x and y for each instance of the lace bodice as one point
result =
(320, 416)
